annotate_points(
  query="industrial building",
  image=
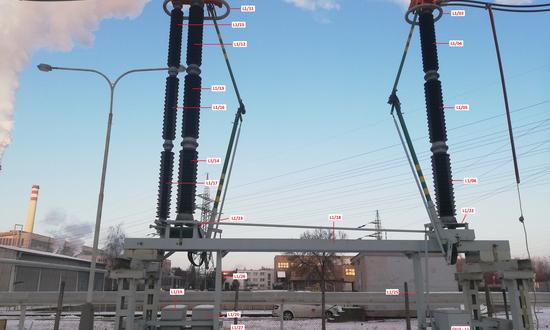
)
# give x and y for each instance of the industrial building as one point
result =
(376, 273)
(23, 239)
(23, 269)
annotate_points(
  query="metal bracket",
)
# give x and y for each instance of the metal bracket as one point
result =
(432, 6)
(216, 18)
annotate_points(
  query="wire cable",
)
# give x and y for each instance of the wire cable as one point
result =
(500, 7)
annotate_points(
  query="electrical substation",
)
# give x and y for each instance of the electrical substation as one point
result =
(142, 304)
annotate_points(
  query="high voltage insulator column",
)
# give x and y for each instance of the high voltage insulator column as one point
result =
(191, 114)
(441, 164)
(169, 123)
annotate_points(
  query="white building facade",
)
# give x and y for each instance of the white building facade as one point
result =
(260, 279)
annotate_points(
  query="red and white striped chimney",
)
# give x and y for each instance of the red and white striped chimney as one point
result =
(29, 226)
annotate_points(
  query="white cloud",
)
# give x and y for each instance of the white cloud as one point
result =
(313, 5)
(28, 26)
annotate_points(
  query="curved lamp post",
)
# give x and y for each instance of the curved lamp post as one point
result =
(112, 84)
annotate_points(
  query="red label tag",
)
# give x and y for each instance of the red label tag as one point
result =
(462, 107)
(217, 88)
(468, 210)
(458, 13)
(238, 24)
(335, 217)
(240, 276)
(234, 314)
(213, 160)
(236, 217)
(470, 181)
(392, 292)
(219, 107)
(248, 8)
(456, 43)
(177, 292)
(240, 44)
(211, 183)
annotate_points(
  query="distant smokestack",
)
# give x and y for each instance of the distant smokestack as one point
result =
(32, 209)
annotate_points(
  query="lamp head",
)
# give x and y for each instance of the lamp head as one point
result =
(44, 67)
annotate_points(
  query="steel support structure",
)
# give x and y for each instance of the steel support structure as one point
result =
(483, 247)
(515, 275)
(489, 255)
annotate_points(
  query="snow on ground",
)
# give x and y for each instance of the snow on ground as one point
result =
(67, 323)
(255, 323)
(315, 324)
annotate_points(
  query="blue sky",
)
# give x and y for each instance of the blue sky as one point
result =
(317, 137)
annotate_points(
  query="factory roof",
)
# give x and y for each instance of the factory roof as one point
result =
(42, 253)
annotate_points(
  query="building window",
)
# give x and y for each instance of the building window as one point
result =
(282, 265)
(350, 271)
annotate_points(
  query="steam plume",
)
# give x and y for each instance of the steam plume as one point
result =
(68, 234)
(28, 26)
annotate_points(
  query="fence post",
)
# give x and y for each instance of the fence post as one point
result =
(22, 317)
(281, 311)
(407, 307)
(59, 306)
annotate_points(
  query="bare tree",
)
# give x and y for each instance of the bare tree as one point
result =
(114, 244)
(542, 269)
(317, 265)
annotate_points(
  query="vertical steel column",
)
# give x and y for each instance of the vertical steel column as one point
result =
(520, 306)
(218, 290)
(120, 296)
(131, 307)
(419, 288)
(151, 297)
(470, 287)
(170, 113)
(441, 164)
(191, 114)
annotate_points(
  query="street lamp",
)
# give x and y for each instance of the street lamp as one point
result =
(88, 308)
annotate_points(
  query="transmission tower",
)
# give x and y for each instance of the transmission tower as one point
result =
(206, 211)
(205, 207)
(378, 226)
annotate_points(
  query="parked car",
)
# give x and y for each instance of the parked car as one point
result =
(291, 311)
